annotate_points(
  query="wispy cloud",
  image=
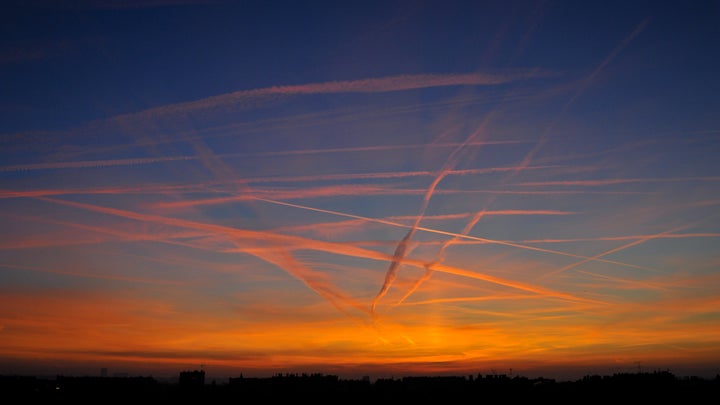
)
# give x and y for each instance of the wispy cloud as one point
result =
(617, 249)
(627, 237)
(526, 162)
(337, 218)
(607, 182)
(257, 243)
(400, 251)
(315, 192)
(371, 85)
(94, 164)
(87, 274)
(453, 234)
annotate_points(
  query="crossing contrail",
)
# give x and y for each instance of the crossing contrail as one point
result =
(401, 248)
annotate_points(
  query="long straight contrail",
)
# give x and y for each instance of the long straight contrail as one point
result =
(530, 155)
(94, 164)
(626, 237)
(386, 84)
(85, 164)
(440, 256)
(617, 249)
(253, 238)
(453, 234)
(280, 255)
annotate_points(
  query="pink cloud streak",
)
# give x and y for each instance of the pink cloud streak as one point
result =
(466, 237)
(607, 182)
(370, 85)
(253, 239)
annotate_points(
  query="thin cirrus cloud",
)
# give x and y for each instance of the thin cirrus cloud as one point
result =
(256, 236)
(165, 159)
(537, 198)
(401, 250)
(452, 161)
(251, 98)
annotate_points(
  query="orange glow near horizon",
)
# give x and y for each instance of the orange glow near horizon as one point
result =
(453, 188)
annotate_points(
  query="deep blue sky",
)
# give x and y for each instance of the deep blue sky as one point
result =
(62, 63)
(359, 187)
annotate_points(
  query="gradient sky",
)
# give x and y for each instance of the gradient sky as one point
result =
(381, 188)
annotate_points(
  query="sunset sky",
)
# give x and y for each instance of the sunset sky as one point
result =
(380, 188)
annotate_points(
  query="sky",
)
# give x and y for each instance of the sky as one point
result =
(360, 188)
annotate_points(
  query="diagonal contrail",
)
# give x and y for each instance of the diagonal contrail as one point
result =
(529, 156)
(453, 234)
(253, 238)
(617, 249)
(401, 248)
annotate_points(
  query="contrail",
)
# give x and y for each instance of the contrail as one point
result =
(372, 148)
(401, 249)
(440, 256)
(352, 225)
(446, 233)
(623, 44)
(200, 188)
(252, 238)
(626, 237)
(91, 164)
(386, 175)
(617, 249)
(158, 189)
(530, 155)
(328, 191)
(278, 254)
(310, 278)
(586, 82)
(488, 212)
(628, 283)
(606, 182)
(371, 85)
(391, 273)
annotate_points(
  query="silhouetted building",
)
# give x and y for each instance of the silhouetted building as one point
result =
(644, 387)
(192, 378)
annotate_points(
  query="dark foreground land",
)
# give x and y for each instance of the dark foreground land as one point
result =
(661, 387)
